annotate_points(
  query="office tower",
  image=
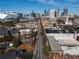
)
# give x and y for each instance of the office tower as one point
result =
(65, 12)
(45, 12)
(51, 13)
(57, 13)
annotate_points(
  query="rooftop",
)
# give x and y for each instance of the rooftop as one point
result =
(68, 42)
(2, 16)
(8, 16)
(54, 44)
(71, 50)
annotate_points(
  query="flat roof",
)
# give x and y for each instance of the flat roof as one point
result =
(54, 44)
(68, 42)
(71, 50)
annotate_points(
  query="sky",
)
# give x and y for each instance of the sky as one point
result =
(26, 6)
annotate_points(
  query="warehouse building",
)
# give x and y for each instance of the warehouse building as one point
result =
(56, 50)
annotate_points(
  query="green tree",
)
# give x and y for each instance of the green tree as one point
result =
(8, 38)
(2, 40)
(1, 23)
(59, 21)
(9, 23)
(33, 34)
(2, 51)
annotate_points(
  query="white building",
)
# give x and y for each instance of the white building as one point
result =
(51, 13)
(64, 36)
(68, 43)
(2, 15)
(6, 16)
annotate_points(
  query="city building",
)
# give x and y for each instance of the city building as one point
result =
(65, 12)
(68, 44)
(56, 50)
(8, 16)
(27, 18)
(51, 13)
(57, 14)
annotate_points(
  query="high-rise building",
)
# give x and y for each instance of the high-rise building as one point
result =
(65, 12)
(57, 13)
(51, 13)
(45, 12)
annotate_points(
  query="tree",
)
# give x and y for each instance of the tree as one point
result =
(33, 34)
(9, 23)
(72, 20)
(59, 21)
(8, 38)
(54, 25)
(1, 23)
(2, 51)
(2, 39)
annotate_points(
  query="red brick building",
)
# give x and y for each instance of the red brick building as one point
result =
(56, 50)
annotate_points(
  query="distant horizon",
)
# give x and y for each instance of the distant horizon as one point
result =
(26, 6)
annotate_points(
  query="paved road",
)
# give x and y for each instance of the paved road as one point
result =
(39, 50)
(39, 43)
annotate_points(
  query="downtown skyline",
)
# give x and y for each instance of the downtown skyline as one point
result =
(26, 6)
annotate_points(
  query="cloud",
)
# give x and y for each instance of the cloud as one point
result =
(72, 1)
(45, 1)
(72, 5)
(60, 4)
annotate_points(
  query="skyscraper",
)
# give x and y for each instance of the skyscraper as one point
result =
(51, 13)
(57, 13)
(65, 12)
